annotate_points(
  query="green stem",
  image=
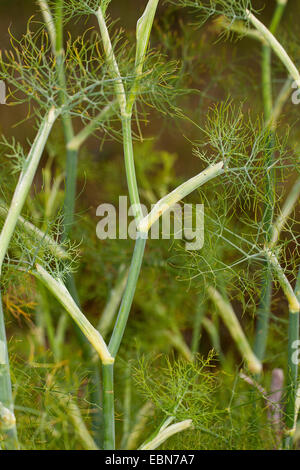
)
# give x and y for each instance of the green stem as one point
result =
(130, 168)
(276, 46)
(264, 308)
(127, 406)
(89, 129)
(267, 65)
(25, 182)
(267, 80)
(114, 300)
(70, 194)
(7, 419)
(292, 376)
(263, 315)
(108, 407)
(143, 32)
(229, 318)
(69, 210)
(43, 311)
(199, 315)
(292, 379)
(8, 431)
(72, 155)
(58, 289)
(126, 303)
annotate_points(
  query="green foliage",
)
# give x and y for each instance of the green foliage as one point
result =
(192, 96)
(233, 9)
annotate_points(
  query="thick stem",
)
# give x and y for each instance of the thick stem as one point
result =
(108, 407)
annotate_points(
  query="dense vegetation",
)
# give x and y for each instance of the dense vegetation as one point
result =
(142, 344)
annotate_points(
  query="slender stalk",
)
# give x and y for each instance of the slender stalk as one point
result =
(18, 200)
(177, 341)
(276, 46)
(8, 430)
(87, 441)
(267, 81)
(127, 405)
(238, 27)
(111, 61)
(199, 315)
(108, 407)
(55, 248)
(143, 33)
(292, 406)
(263, 314)
(290, 295)
(25, 181)
(234, 327)
(280, 102)
(266, 61)
(130, 169)
(293, 299)
(264, 308)
(179, 193)
(287, 208)
(292, 379)
(143, 30)
(126, 303)
(142, 417)
(213, 333)
(75, 143)
(63, 296)
(72, 155)
(114, 300)
(49, 22)
(166, 433)
(70, 189)
(43, 312)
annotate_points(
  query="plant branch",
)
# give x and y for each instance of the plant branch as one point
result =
(59, 291)
(234, 327)
(25, 181)
(179, 193)
(276, 46)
